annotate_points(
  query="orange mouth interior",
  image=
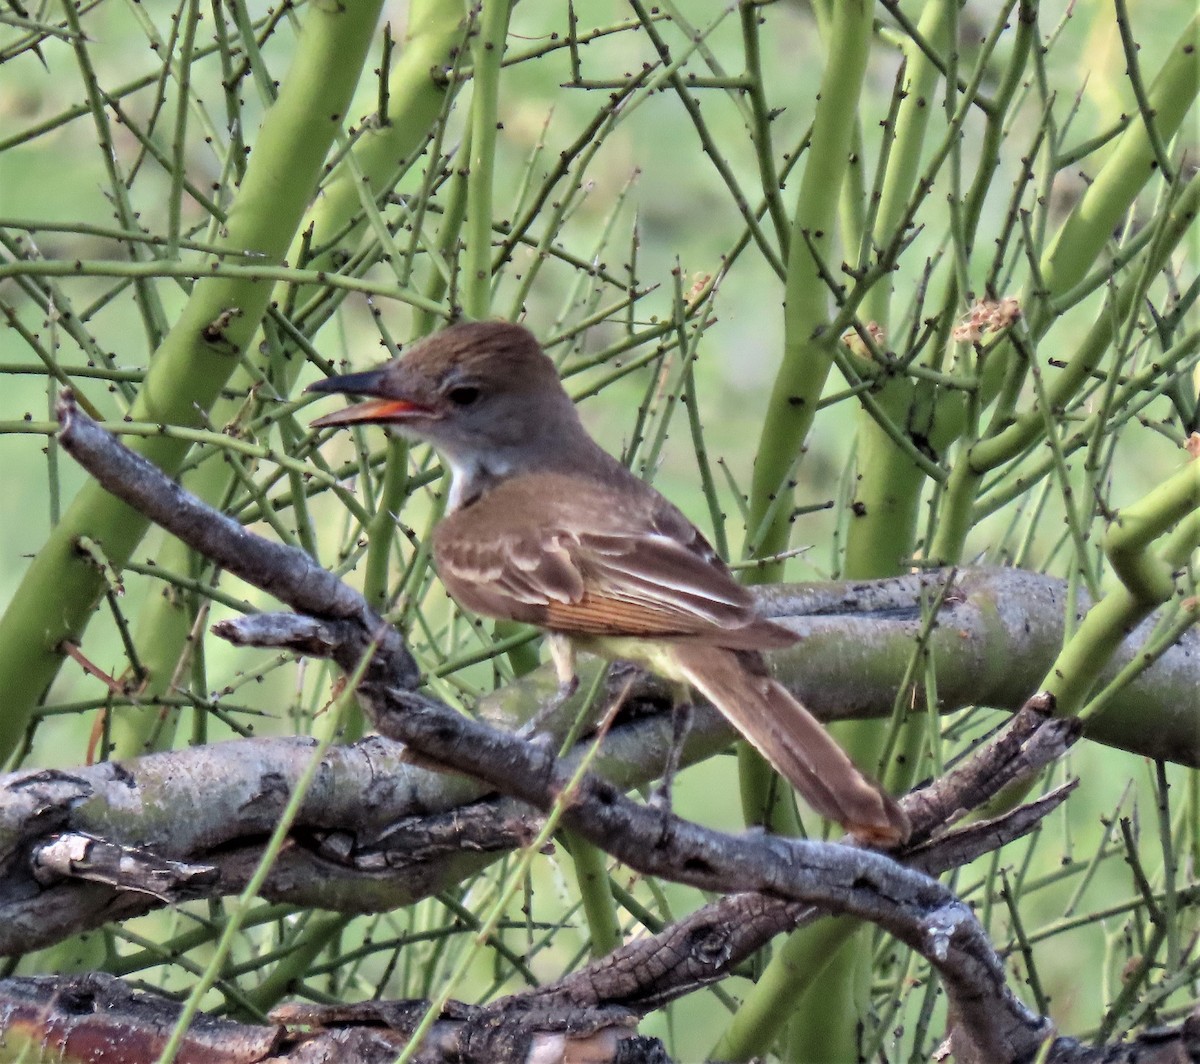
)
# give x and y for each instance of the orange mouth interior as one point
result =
(374, 411)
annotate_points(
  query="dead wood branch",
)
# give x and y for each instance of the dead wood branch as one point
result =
(80, 1018)
(115, 840)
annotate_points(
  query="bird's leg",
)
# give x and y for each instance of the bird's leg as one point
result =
(562, 653)
(681, 724)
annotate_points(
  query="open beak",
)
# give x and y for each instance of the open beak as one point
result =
(380, 408)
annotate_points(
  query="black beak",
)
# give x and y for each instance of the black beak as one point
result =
(383, 405)
(368, 382)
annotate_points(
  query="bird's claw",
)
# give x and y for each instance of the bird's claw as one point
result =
(660, 797)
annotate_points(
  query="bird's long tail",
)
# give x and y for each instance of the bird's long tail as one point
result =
(792, 740)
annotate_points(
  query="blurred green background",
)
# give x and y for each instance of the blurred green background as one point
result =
(651, 188)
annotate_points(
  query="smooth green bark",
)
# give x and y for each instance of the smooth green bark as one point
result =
(589, 863)
(488, 49)
(1147, 579)
(59, 591)
(1127, 171)
(782, 990)
(416, 98)
(807, 346)
(1064, 265)
(880, 540)
(968, 471)
(888, 489)
(807, 358)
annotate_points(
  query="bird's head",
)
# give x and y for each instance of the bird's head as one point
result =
(472, 387)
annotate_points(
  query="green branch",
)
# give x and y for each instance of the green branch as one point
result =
(487, 47)
(335, 224)
(808, 347)
(1147, 581)
(60, 589)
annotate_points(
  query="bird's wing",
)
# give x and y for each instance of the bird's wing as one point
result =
(643, 580)
(595, 569)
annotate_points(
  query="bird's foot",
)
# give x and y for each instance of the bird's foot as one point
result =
(681, 723)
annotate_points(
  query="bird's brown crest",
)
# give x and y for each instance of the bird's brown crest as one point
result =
(496, 351)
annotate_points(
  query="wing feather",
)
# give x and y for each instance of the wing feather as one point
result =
(596, 570)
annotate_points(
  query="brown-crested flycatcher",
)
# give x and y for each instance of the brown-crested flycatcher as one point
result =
(544, 527)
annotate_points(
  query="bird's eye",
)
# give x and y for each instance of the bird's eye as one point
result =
(463, 394)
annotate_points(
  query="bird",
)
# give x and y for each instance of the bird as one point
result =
(544, 526)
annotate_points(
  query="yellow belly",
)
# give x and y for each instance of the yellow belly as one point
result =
(655, 656)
